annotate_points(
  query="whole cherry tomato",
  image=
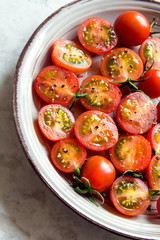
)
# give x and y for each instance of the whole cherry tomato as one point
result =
(100, 172)
(132, 28)
(151, 86)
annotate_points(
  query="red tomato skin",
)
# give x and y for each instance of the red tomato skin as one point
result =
(59, 49)
(64, 77)
(151, 138)
(122, 65)
(151, 86)
(154, 44)
(143, 122)
(51, 133)
(100, 172)
(142, 187)
(114, 94)
(73, 162)
(136, 161)
(110, 124)
(158, 205)
(99, 48)
(132, 28)
(149, 173)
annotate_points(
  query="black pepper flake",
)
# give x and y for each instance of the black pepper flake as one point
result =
(158, 158)
(65, 150)
(126, 51)
(96, 127)
(135, 112)
(55, 85)
(75, 85)
(63, 86)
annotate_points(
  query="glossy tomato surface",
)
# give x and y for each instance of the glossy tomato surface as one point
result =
(56, 122)
(153, 172)
(150, 51)
(56, 85)
(130, 195)
(68, 154)
(100, 172)
(132, 28)
(96, 130)
(97, 35)
(151, 86)
(100, 94)
(131, 152)
(120, 64)
(153, 137)
(136, 113)
(70, 55)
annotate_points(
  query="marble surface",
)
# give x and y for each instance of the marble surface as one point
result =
(28, 209)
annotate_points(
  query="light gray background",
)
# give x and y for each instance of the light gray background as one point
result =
(28, 209)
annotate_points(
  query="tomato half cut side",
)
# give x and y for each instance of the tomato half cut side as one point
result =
(131, 152)
(68, 154)
(119, 64)
(56, 85)
(70, 55)
(100, 172)
(136, 114)
(153, 137)
(130, 195)
(150, 51)
(97, 35)
(96, 130)
(153, 172)
(132, 28)
(100, 94)
(56, 122)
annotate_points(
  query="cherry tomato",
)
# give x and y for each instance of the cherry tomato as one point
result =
(131, 152)
(153, 172)
(158, 205)
(56, 85)
(130, 195)
(150, 51)
(120, 64)
(100, 172)
(56, 122)
(70, 55)
(132, 28)
(96, 130)
(136, 113)
(153, 137)
(100, 94)
(68, 154)
(151, 86)
(97, 35)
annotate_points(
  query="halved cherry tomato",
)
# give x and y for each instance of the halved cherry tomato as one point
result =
(100, 172)
(71, 56)
(96, 130)
(132, 28)
(150, 51)
(56, 122)
(158, 205)
(56, 85)
(153, 137)
(131, 152)
(68, 154)
(130, 195)
(136, 113)
(153, 172)
(97, 35)
(100, 94)
(151, 86)
(120, 64)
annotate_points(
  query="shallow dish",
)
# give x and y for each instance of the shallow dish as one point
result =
(36, 55)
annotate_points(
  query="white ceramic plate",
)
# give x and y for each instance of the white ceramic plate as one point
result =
(36, 55)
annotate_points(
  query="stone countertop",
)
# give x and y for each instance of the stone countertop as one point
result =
(28, 209)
